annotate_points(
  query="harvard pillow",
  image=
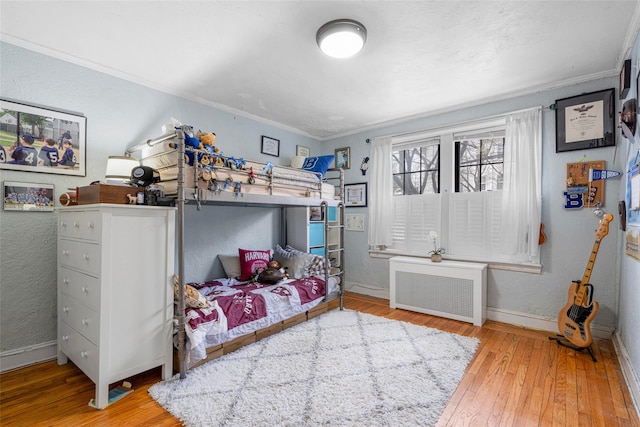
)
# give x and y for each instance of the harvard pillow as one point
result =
(251, 260)
(318, 164)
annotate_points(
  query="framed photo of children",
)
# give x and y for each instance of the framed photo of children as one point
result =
(22, 196)
(40, 139)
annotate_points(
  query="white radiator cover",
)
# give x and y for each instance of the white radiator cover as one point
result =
(451, 289)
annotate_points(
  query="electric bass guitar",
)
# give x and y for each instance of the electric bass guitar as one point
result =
(575, 317)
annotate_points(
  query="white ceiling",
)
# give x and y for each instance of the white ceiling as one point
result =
(260, 59)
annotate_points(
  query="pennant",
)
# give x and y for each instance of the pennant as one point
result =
(599, 174)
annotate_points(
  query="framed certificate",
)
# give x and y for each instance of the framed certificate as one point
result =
(270, 146)
(355, 195)
(585, 121)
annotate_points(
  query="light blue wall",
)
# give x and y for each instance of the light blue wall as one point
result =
(119, 114)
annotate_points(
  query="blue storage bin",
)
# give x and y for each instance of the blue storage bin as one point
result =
(316, 234)
(333, 213)
(317, 251)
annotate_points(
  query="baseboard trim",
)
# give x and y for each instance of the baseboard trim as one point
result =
(369, 290)
(25, 356)
(505, 316)
(532, 321)
(630, 377)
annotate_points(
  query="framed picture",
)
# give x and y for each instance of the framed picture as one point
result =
(586, 121)
(22, 196)
(625, 78)
(303, 151)
(41, 139)
(343, 158)
(315, 213)
(355, 195)
(270, 146)
(354, 222)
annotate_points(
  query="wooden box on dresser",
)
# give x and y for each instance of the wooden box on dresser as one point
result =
(115, 300)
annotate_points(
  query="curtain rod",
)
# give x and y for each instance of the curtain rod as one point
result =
(461, 124)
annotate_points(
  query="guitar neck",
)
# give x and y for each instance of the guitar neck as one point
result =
(602, 231)
(592, 259)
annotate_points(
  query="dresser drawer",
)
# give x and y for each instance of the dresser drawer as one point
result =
(81, 225)
(80, 255)
(85, 288)
(80, 350)
(83, 319)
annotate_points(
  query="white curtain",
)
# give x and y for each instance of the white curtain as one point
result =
(522, 195)
(381, 189)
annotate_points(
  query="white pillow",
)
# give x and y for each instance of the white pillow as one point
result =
(231, 265)
(315, 263)
(295, 263)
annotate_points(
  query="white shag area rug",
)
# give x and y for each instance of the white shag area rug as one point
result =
(343, 368)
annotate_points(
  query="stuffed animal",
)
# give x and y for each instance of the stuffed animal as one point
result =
(189, 141)
(207, 143)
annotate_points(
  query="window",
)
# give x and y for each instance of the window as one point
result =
(479, 164)
(476, 185)
(416, 170)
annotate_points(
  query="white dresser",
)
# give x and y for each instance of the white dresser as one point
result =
(115, 300)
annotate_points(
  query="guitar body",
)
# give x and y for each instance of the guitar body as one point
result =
(574, 321)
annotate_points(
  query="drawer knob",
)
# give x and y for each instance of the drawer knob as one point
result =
(85, 289)
(84, 354)
(65, 281)
(86, 257)
(65, 338)
(76, 224)
(85, 322)
(63, 224)
(65, 309)
(65, 253)
(91, 226)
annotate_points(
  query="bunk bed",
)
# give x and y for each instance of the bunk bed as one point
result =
(233, 182)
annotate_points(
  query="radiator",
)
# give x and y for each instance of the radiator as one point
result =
(451, 289)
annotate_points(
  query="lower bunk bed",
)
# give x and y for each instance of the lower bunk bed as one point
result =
(240, 313)
(225, 314)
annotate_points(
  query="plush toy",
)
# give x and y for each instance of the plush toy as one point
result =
(207, 143)
(189, 141)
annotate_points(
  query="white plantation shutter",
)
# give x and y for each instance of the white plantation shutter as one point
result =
(413, 218)
(475, 225)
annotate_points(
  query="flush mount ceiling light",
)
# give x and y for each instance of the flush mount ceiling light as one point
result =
(341, 38)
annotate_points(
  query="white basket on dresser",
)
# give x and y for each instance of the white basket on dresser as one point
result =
(115, 300)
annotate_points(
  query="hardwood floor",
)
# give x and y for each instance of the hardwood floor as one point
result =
(517, 378)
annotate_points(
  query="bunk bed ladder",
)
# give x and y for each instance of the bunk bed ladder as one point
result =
(339, 250)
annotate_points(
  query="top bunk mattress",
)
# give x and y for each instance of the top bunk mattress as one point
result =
(230, 175)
